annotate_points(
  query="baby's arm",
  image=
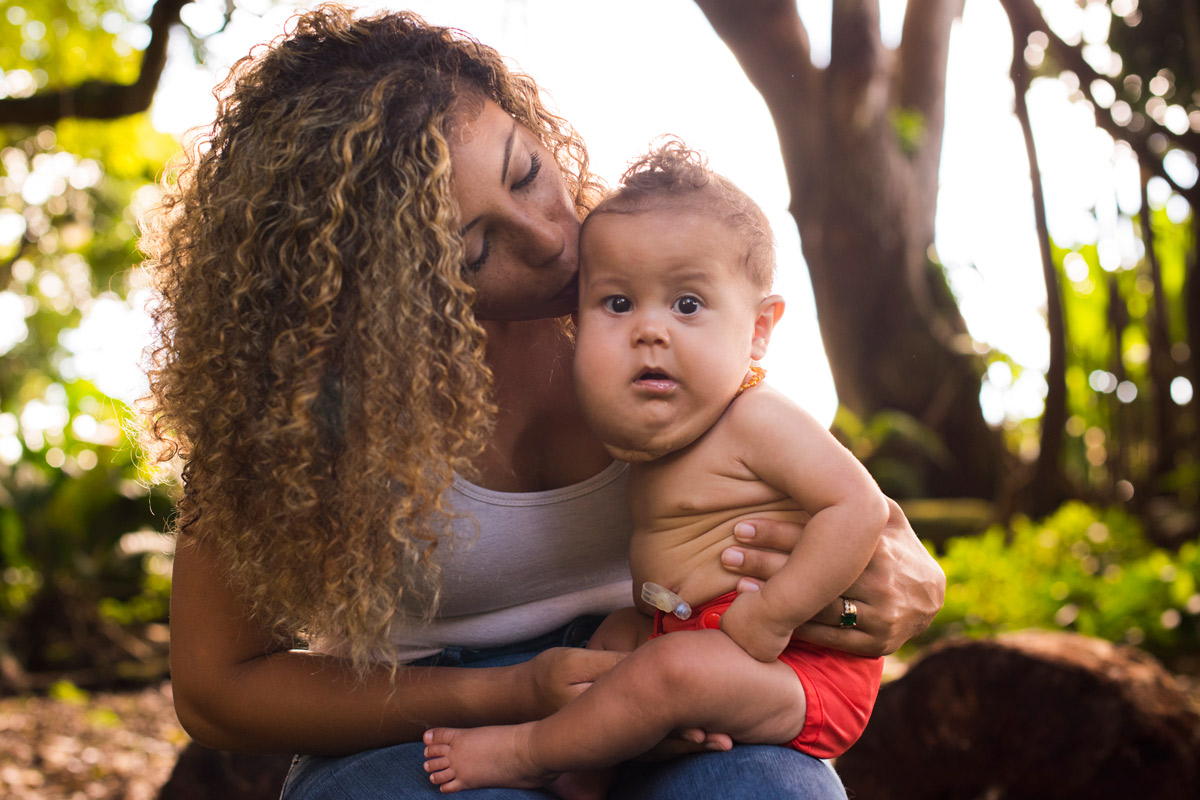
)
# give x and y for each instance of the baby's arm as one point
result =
(786, 448)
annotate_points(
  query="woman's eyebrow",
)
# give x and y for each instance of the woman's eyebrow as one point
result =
(508, 146)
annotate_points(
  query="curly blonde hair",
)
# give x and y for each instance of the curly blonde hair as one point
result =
(318, 367)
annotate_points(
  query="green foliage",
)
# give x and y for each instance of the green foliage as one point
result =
(72, 500)
(909, 125)
(1153, 40)
(1082, 569)
(887, 443)
(1108, 318)
(1131, 430)
(66, 692)
(70, 550)
(64, 43)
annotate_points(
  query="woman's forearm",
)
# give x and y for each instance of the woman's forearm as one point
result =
(237, 688)
(296, 702)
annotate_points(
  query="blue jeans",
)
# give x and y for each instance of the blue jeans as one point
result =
(746, 771)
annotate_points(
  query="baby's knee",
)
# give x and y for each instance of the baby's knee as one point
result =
(677, 663)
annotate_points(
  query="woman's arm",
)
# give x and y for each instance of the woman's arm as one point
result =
(237, 688)
(897, 595)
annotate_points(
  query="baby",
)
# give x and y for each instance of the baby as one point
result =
(674, 306)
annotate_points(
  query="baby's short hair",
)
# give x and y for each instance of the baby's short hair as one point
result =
(673, 176)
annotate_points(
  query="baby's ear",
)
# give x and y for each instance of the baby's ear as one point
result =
(769, 312)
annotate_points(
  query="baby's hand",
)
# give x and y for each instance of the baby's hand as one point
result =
(747, 623)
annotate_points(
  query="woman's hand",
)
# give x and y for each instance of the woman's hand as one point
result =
(897, 595)
(561, 674)
(687, 741)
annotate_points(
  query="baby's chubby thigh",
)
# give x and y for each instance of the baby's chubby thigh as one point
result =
(703, 679)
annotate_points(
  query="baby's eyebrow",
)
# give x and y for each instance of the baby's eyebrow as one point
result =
(693, 276)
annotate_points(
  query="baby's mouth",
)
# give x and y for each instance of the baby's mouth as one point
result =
(654, 381)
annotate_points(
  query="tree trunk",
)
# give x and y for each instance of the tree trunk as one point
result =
(1043, 493)
(861, 142)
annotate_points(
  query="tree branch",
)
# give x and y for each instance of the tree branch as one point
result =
(1044, 484)
(1031, 19)
(770, 42)
(924, 53)
(1158, 326)
(762, 35)
(919, 88)
(101, 99)
(855, 43)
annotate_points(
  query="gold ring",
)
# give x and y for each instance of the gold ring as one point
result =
(849, 614)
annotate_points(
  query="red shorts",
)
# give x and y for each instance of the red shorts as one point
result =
(839, 688)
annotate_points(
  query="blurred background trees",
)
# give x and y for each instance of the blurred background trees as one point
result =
(85, 571)
(83, 565)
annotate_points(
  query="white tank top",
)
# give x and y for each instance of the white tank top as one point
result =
(539, 560)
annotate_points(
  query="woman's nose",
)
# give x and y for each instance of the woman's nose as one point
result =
(542, 238)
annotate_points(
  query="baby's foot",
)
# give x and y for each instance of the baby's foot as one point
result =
(473, 758)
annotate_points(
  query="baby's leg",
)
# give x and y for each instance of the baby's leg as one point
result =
(695, 679)
(621, 630)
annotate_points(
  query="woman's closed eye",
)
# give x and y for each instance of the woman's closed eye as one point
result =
(477, 264)
(687, 305)
(618, 304)
(535, 167)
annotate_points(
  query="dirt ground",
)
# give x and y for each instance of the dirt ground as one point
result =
(88, 746)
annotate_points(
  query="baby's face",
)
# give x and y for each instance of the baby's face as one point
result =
(666, 328)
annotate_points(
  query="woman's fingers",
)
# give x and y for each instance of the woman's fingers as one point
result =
(764, 547)
(561, 674)
(771, 534)
(848, 640)
(687, 741)
(756, 565)
(831, 614)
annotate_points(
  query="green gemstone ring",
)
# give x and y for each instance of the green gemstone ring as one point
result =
(849, 614)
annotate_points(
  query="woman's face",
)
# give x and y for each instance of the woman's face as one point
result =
(518, 221)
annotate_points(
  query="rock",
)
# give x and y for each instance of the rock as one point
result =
(1035, 714)
(202, 773)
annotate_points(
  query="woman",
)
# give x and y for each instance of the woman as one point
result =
(363, 366)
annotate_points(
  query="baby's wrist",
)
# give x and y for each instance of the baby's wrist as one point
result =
(756, 611)
(773, 615)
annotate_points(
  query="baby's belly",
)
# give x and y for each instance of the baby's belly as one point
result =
(684, 554)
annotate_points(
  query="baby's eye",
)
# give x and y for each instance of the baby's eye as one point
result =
(687, 305)
(618, 304)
